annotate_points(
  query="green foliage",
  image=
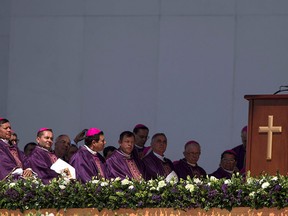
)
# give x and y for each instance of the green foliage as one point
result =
(206, 193)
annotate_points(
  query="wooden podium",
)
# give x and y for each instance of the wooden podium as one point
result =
(267, 141)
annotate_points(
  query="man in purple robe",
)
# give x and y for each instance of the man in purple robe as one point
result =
(11, 159)
(122, 163)
(87, 161)
(188, 165)
(240, 150)
(155, 162)
(227, 165)
(141, 136)
(42, 157)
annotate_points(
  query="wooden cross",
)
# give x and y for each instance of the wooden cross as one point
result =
(270, 129)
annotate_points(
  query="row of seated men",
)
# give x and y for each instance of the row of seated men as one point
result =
(129, 160)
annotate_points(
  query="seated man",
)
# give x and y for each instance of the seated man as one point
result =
(227, 165)
(62, 145)
(188, 165)
(11, 159)
(87, 161)
(240, 150)
(155, 162)
(122, 163)
(42, 157)
(141, 136)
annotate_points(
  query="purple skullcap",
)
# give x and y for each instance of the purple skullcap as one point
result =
(1, 118)
(92, 132)
(139, 126)
(244, 129)
(230, 152)
(43, 129)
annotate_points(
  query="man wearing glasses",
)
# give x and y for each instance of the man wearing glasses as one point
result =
(227, 165)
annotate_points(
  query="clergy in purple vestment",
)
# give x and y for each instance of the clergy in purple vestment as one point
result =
(11, 158)
(87, 161)
(42, 157)
(188, 165)
(122, 163)
(141, 136)
(241, 150)
(155, 162)
(227, 165)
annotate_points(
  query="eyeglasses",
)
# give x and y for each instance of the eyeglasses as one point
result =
(228, 160)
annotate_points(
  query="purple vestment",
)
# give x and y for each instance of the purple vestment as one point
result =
(40, 162)
(183, 169)
(241, 152)
(156, 167)
(119, 165)
(221, 173)
(8, 162)
(87, 165)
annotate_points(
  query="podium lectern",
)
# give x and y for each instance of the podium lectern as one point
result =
(267, 141)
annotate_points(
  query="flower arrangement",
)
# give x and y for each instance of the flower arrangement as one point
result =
(205, 193)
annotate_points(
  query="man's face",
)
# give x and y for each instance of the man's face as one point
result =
(62, 146)
(13, 139)
(141, 137)
(127, 144)
(228, 162)
(98, 146)
(46, 140)
(5, 131)
(192, 153)
(159, 144)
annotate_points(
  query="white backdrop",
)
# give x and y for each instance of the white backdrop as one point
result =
(180, 67)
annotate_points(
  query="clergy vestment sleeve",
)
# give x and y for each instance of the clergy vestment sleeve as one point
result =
(40, 163)
(85, 165)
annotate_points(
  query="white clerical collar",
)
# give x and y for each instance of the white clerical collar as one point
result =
(139, 147)
(43, 148)
(124, 154)
(5, 141)
(159, 156)
(194, 165)
(229, 171)
(90, 150)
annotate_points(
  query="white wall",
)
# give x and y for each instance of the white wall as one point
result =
(180, 67)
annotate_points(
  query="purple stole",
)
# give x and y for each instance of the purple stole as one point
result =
(133, 169)
(15, 155)
(53, 158)
(98, 164)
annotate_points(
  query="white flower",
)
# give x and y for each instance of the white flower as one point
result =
(213, 179)
(197, 181)
(95, 181)
(161, 184)
(125, 182)
(62, 187)
(12, 184)
(249, 181)
(227, 181)
(131, 187)
(252, 194)
(152, 188)
(275, 178)
(103, 184)
(265, 185)
(190, 187)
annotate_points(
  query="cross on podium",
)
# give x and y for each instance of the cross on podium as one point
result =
(270, 129)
